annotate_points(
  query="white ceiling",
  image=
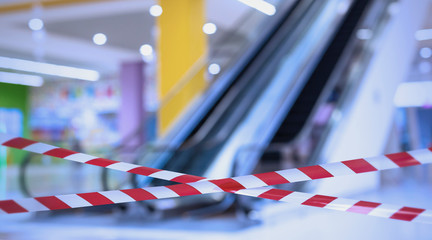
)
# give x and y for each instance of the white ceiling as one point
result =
(69, 30)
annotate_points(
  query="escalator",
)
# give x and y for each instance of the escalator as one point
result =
(275, 93)
(200, 146)
(300, 112)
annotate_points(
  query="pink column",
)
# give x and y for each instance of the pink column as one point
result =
(131, 115)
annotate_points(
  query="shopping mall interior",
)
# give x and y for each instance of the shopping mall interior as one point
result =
(215, 119)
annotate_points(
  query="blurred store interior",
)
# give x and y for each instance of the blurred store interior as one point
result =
(214, 88)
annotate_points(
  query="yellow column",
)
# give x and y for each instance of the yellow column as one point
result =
(181, 48)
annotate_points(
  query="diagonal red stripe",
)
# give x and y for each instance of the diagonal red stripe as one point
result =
(101, 162)
(363, 207)
(228, 184)
(184, 189)
(95, 198)
(19, 143)
(52, 203)
(407, 213)
(271, 178)
(187, 179)
(10, 206)
(359, 165)
(315, 172)
(275, 194)
(403, 159)
(139, 194)
(59, 152)
(319, 201)
(145, 171)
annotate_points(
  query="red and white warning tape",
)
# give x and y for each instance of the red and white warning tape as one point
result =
(389, 211)
(69, 201)
(328, 170)
(250, 185)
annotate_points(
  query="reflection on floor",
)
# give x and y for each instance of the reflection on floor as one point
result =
(277, 221)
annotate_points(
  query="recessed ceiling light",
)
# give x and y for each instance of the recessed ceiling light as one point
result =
(155, 10)
(35, 24)
(214, 68)
(209, 28)
(425, 52)
(146, 50)
(99, 39)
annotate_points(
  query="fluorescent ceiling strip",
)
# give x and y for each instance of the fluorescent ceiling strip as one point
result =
(424, 34)
(22, 79)
(48, 69)
(261, 6)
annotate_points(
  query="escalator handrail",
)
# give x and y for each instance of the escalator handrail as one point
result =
(339, 73)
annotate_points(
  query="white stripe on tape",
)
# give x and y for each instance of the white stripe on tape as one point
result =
(80, 157)
(31, 204)
(39, 148)
(293, 175)
(205, 187)
(117, 196)
(381, 162)
(423, 155)
(254, 192)
(424, 217)
(341, 204)
(166, 175)
(296, 198)
(74, 201)
(161, 192)
(122, 166)
(384, 210)
(338, 169)
(249, 181)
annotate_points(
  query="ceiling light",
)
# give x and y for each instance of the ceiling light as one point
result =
(99, 39)
(48, 69)
(214, 68)
(35, 24)
(424, 34)
(146, 50)
(261, 6)
(22, 79)
(209, 28)
(425, 52)
(155, 10)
